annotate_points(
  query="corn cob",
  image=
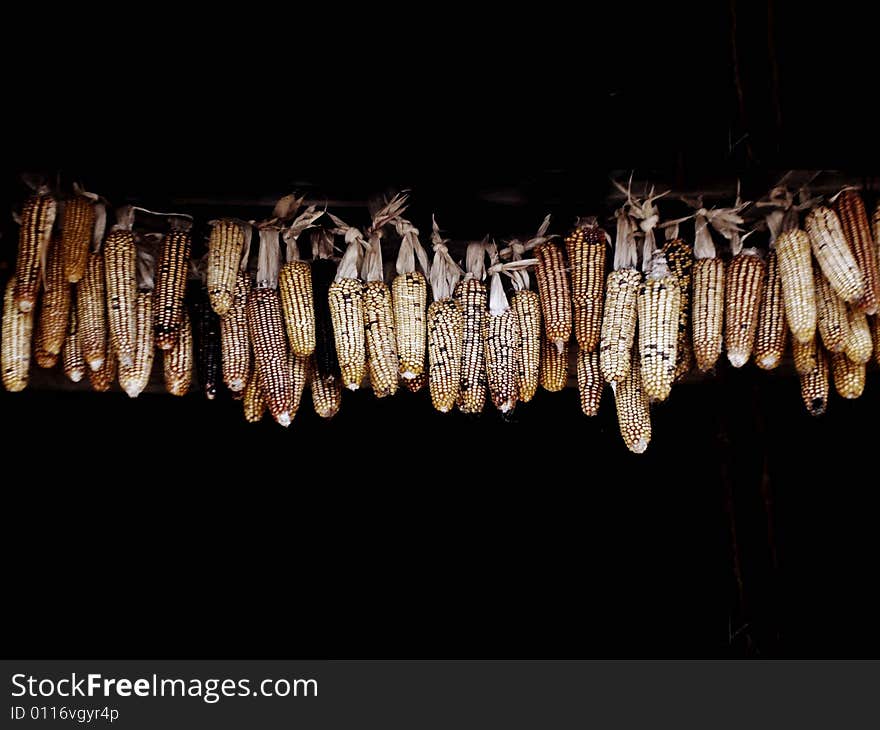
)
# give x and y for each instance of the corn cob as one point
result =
(815, 385)
(235, 342)
(832, 320)
(619, 323)
(380, 322)
(55, 306)
(633, 414)
(680, 258)
(178, 361)
(120, 264)
(854, 220)
(806, 356)
(207, 343)
(266, 327)
(16, 345)
(833, 254)
(798, 287)
(743, 288)
(590, 382)
(858, 346)
(659, 308)
(409, 293)
(43, 359)
(586, 246)
(71, 354)
(554, 366)
(346, 298)
(77, 228)
(445, 332)
(253, 402)
(527, 306)
(226, 247)
(91, 312)
(501, 337)
(708, 311)
(37, 219)
(414, 385)
(135, 378)
(102, 379)
(171, 283)
(849, 377)
(771, 335)
(299, 375)
(295, 285)
(553, 289)
(326, 394)
(471, 295)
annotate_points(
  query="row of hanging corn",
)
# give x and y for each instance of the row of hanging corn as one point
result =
(103, 305)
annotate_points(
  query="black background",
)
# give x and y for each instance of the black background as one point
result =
(160, 527)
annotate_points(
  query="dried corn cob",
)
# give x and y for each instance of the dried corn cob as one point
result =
(798, 287)
(16, 346)
(379, 324)
(772, 330)
(135, 378)
(178, 361)
(659, 307)
(55, 305)
(554, 292)
(586, 256)
(501, 337)
(849, 377)
(78, 226)
(815, 385)
(91, 312)
(806, 355)
(621, 304)
(472, 298)
(680, 258)
(858, 346)
(102, 379)
(120, 272)
(854, 220)
(253, 402)
(708, 311)
(527, 306)
(326, 394)
(832, 320)
(171, 282)
(743, 288)
(346, 297)
(833, 254)
(409, 291)
(633, 414)
(299, 374)
(37, 219)
(228, 246)
(554, 366)
(590, 381)
(295, 287)
(235, 343)
(71, 354)
(43, 359)
(414, 385)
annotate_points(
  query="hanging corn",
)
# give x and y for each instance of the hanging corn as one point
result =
(590, 382)
(55, 305)
(680, 259)
(849, 376)
(633, 413)
(409, 291)
(235, 341)
(71, 355)
(815, 385)
(91, 310)
(177, 363)
(326, 393)
(470, 293)
(553, 373)
(134, 378)
(553, 287)
(229, 244)
(379, 322)
(743, 290)
(772, 330)
(858, 346)
(35, 232)
(83, 219)
(834, 255)
(501, 337)
(850, 209)
(120, 272)
(659, 308)
(16, 346)
(171, 274)
(832, 320)
(586, 246)
(295, 287)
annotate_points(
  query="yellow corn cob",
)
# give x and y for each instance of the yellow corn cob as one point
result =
(554, 366)
(326, 394)
(527, 306)
(815, 385)
(224, 258)
(832, 321)
(445, 332)
(806, 355)
(91, 312)
(409, 292)
(71, 355)
(833, 254)
(346, 299)
(586, 247)
(798, 287)
(744, 285)
(554, 292)
(770, 339)
(55, 305)
(178, 361)
(858, 346)
(102, 379)
(37, 219)
(849, 377)
(253, 402)
(266, 327)
(235, 343)
(680, 258)
(854, 220)
(16, 346)
(471, 295)
(120, 264)
(379, 323)
(135, 377)
(297, 301)
(414, 385)
(633, 414)
(659, 307)
(708, 311)
(590, 382)
(299, 375)
(501, 338)
(76, 235)
(170, 289)
(619, 323)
